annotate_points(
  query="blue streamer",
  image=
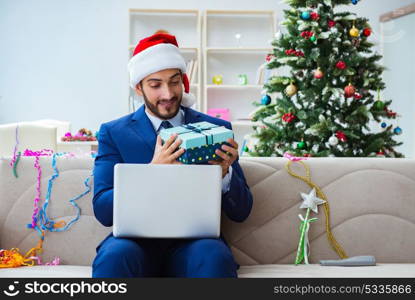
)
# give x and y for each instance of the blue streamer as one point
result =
(45, 222)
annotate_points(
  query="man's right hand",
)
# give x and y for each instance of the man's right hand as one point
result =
(166, 154)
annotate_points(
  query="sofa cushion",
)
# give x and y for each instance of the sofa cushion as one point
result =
(259, 271)
(317, 271)
(371, 200)
(76, 246)
(372, 207)
(59, 271)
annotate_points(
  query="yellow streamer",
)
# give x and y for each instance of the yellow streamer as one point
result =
(13, 258)
(307, 179)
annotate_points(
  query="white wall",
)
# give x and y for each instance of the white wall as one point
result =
(67, 59)
(398, 50)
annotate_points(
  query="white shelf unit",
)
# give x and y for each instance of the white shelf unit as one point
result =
(224, 54)
(184, 24)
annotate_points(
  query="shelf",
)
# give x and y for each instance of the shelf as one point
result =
(231, 87)
(132, 47)
(234, 43)
(245, 123)
(239, 12)
(184, 24)
(78, 143)
(163, 11)
(238, 49)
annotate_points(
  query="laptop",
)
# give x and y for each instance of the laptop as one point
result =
(167, 201)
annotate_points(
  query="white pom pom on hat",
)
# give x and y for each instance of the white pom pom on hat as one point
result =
(155, 53)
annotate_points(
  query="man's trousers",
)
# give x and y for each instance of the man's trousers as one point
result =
(140, 257)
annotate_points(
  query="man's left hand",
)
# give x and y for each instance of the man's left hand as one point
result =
(228, 157)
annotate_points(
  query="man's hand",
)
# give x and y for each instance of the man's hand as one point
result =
(165, 154)
(227, 158)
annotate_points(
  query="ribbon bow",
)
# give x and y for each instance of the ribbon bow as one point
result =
(293, 158)
(303, 245)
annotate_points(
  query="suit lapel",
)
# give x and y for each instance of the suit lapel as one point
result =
(190, 115)
(143, 127)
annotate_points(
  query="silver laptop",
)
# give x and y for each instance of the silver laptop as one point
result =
(167, 201)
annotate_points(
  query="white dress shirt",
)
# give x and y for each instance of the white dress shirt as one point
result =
(178, 120)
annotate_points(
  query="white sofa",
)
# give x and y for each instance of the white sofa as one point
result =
(34, 135)
(372, 202)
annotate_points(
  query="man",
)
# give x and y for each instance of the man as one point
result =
(157, 73)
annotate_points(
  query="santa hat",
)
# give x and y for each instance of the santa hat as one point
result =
(155, 53)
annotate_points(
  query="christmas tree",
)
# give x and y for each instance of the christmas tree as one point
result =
(331, 93)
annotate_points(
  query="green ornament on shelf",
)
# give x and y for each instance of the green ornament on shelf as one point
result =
(301, 145)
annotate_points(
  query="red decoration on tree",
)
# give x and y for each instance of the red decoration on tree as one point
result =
(318, 74)
(349, 90)
(288, 117)
(315, 16)
(307, 155)
(341, 65)
(390, 113)
(307, 34)
(331, 23)
(367, 32)
(293, 52)
(269, 57)
(341, 136)
(357, 96)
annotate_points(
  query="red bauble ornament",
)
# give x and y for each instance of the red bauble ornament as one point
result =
(331, 23)
(307, 155)
(288, 117)
(341, 136)
(367, 32)
(357, 96)
(341, 65)
(349, 90)
(314, 16)
(307, 34)
(318, 74)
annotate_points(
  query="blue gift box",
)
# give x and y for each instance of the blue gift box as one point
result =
(200, 140)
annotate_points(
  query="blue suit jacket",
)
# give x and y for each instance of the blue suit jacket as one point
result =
(132, 139)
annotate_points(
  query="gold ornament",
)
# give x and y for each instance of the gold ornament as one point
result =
(354, 32)
(291, 90)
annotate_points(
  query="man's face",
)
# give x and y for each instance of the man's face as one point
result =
(162, 93)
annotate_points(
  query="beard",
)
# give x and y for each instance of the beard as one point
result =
(170, 112)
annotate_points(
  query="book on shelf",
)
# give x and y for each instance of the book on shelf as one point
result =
(260, 74)
(191, 69)
(263, 74)
(194, 72)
